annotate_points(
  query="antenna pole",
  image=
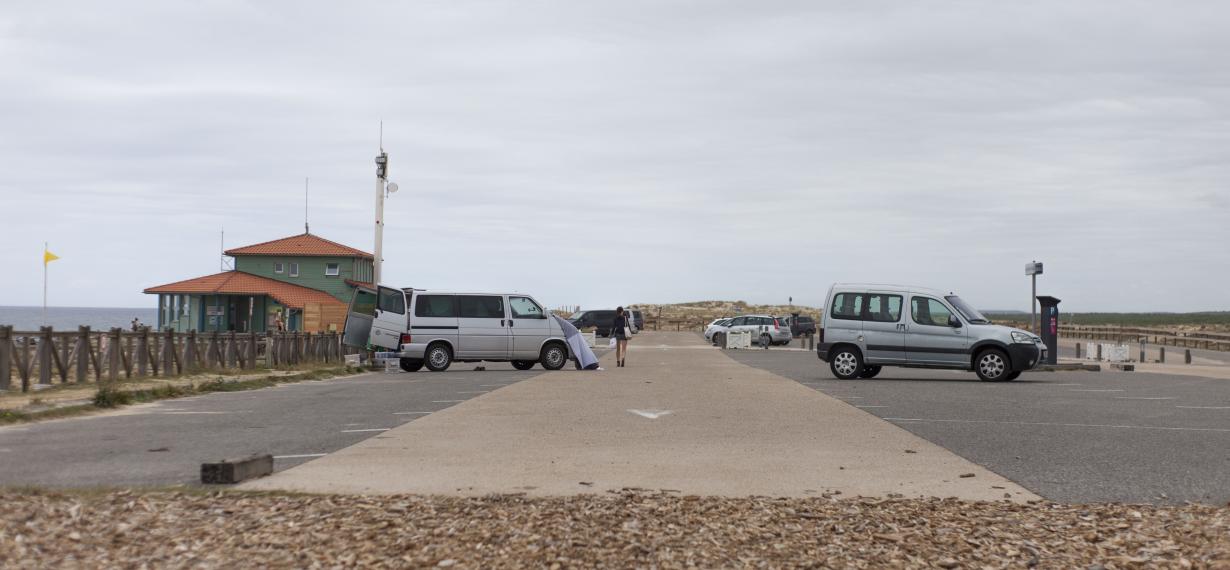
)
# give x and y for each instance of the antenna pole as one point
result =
(305, 205)
(222, 249)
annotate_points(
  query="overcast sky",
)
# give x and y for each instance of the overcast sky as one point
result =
(598, 153)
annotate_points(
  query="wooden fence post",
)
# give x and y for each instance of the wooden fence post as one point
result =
(232, 352)
(170, 355)
(190, 350)
(83, 354)
(44, 356)
(113, 355)
(252, 350)
(142, 351)
(6, 357)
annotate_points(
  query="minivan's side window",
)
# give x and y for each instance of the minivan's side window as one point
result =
(739, 321)
(364, 302)
(848, 306)
(392, 300)
(525, 308)
(480, 307)
(435, 306)
(928, 311)
(884, 308)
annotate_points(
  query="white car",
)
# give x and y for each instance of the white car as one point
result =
(765, 329)
(718, 325)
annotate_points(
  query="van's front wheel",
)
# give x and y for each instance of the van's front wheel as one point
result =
(992, 365)
(554, 356)
(846, 363)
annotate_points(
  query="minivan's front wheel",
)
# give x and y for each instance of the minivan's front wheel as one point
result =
(411, 364)
(554, 356)
(992, 365)
(847, 363)
(439, 357)
(719, 340)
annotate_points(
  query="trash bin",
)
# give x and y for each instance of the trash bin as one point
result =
(1050, 327)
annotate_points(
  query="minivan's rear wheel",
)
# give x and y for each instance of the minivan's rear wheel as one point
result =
(411, 364)
(719, 340)
(766, 340)
(847, 363)
(992, 365)
(439, 357)
(870, 371)
(554, 356)
(523, 364)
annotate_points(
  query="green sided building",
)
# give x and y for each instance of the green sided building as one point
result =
(299, 283)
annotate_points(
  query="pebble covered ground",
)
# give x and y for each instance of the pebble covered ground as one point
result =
(168, 529)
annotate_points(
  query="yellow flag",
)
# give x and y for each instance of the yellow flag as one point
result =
(49, 257)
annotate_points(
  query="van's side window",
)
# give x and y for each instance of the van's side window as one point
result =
(848, 306)
(525, 308)
(884, 308)
(435, 306)
(480, 307)
(928, 311)
(392, 300)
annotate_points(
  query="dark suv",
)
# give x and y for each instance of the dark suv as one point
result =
(802, 325)
(601, 320)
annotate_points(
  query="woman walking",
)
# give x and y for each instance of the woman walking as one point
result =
(620, 331)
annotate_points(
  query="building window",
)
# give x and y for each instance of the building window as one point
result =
(277, 267)
(333, 269)
(294, 270)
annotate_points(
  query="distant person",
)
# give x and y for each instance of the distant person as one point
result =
(278, 324)
(621, 330)
(136, 324)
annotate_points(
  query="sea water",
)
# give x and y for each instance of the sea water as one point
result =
(69, 318)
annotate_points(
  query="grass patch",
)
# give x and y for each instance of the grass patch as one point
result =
(109, 397)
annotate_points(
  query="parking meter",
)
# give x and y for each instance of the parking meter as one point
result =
(1050, 327)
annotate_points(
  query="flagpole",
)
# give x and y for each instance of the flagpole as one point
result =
(45, 283)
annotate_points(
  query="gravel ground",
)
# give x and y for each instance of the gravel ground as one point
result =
(164, 529)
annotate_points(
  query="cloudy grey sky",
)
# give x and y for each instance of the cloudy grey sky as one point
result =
(597, 153)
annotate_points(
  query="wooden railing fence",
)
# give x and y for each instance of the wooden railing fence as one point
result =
(1163, 337)
(47, 356)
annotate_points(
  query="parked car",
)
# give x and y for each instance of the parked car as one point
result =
(436, 328)
(601, 320)
(638, 319)
(718, 325)
(765, 329)
(867, 327)
(801, 325)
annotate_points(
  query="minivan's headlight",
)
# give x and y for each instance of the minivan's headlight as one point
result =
(1023, 338)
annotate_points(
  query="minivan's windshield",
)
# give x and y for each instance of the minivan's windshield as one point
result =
(971, 314)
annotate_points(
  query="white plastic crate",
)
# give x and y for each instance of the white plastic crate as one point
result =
(739, 339)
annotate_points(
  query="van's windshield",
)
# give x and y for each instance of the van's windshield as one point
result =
(971, 314)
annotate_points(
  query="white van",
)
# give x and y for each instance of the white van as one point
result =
(436, 328)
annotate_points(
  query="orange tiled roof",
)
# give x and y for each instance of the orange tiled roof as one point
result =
(302, 244)
(240, 283)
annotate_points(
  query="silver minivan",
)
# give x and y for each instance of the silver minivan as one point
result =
(436, 328)
(867, 327)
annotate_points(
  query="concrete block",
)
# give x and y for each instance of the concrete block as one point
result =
(231, 471)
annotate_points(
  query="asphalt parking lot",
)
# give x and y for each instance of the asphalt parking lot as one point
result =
(1067, 436)
(164, 443)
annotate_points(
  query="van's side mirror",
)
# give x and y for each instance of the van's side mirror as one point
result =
(954, 322)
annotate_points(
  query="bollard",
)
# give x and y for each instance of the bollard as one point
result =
(1078, 351)
(811, 342)
(1187, 356)
(1099, 352)
(1163, 358)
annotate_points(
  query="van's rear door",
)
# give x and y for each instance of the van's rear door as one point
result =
(358, 329)
(390, 321)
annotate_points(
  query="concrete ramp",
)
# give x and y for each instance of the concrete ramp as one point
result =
(681, 416)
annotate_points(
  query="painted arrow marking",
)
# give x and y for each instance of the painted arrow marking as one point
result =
(651, 414)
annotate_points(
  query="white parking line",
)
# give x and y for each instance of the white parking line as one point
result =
(363, 430)
(492, 385)
(475, 392)
(1096, 390)
(1204, 407)
(446, 401)
(302, 455)
(871, 406)
(1160, 428)
(410, 413)
(1144, 398)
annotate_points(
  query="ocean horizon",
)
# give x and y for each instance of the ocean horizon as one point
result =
(69, 318)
